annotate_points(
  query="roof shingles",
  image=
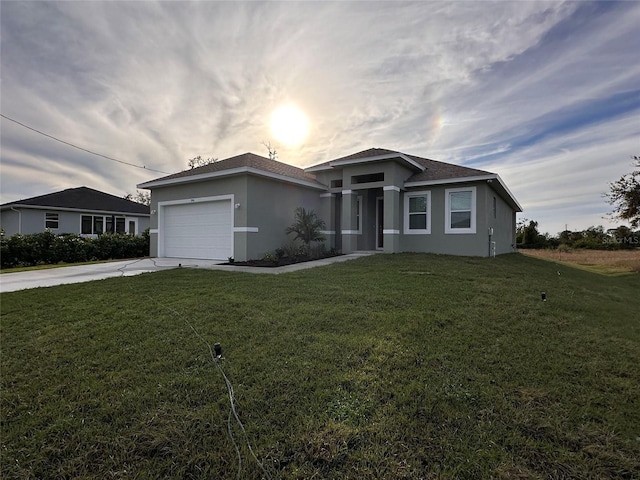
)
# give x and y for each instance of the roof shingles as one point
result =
(246, 160)
(434, 170)
(84, 198)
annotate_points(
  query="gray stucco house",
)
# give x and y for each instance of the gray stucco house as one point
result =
(377, 199)
(83, 211)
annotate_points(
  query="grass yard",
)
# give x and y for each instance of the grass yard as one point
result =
(386, 367)
(606, 262)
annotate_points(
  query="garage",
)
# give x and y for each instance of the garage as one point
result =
(199, 229)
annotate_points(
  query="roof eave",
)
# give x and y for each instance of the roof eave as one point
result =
(478, 178)
(376, 158)
(227, 173)
(71, 209)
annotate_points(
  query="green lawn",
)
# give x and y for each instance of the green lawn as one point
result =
(386, 367)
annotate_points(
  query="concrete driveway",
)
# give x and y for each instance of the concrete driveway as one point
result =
(10, 282)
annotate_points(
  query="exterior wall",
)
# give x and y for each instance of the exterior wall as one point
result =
(271, 208)
(10, 222)
(366, 240)
(472, 244)
(389, 188)
(348, 227)
(325, 177)
(236, 186)
(32, 220)
(394, 174)
(327, 211)
(265, 209)
(503, 223)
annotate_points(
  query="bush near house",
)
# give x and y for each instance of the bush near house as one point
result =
(47, 248)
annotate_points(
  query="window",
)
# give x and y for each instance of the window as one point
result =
(460, 208)
(87, 224)
(368, 178)
(51, 220)
(119, 224)
(417, 213)
(359, 214)
(98, 224)
(336, 183)
(495, 208)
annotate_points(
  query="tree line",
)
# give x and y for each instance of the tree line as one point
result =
(597, 238)
(623, 195)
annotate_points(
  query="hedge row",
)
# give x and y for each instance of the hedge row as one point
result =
(48, 248)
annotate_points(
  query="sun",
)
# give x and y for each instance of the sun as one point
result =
(289, 125)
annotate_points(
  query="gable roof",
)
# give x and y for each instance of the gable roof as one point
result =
(245, 163)
(435, 170)
(426, 171)
(425, 168)
(82, 198)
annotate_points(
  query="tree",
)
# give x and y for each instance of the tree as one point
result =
(624, 195)
(307, 227)
(527, 235)
(140, 197)
(273, 155)
(198, 161)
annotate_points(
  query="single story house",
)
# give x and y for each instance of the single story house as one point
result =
(377, 199)
(82, 211)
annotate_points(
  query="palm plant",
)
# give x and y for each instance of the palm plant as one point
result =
(307, 227)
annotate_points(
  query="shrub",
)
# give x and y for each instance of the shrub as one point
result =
(291, 249)
(563, 247)
(47, 248)
(307, 226)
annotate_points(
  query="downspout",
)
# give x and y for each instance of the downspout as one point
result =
(19, 220)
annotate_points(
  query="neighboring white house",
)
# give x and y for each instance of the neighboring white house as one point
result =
(377, 199)
(82, 211)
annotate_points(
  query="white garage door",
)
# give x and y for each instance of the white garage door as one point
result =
(198, 230)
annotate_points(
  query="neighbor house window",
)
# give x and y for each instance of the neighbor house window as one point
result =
(119, 224)
(417, 212)
(460, 210)
(86, 227)
(359, 214)
(98, 224)
(51, 220)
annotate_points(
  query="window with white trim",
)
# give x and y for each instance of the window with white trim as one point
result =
(51, 220)
(417, 213)
(460, 210)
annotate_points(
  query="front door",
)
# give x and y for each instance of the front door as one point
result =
(379, 223)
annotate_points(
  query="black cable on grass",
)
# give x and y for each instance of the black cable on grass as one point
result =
(215, 359)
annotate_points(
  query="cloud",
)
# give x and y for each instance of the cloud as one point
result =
(526, 89)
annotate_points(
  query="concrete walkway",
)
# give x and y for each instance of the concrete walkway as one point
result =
(10, 282)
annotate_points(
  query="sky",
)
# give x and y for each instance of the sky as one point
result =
(545, 94)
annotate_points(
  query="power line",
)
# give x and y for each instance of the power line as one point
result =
(80, 148)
